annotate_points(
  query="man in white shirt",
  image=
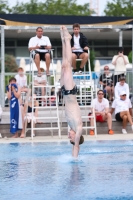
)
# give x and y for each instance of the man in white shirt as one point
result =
(40, 45)
(79, 45)
(121, 86)
(123, 111)
(101, 109)
(119, 61)
(21, 80)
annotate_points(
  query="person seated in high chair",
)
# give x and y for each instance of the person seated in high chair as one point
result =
(40, 46)
(69, 90)
(101, 111)
(123, 111)
(79, 47)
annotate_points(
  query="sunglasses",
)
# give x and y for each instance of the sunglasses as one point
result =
(100, 93)
(106, 69)
(124, 95)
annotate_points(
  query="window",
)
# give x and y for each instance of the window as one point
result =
(59, 52)
(9, 43)
(22, 43)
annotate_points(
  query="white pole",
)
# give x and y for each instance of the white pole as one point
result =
(32, 98)
(120, 39)
(2, 66)
(132, 59)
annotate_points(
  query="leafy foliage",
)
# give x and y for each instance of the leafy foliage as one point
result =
(10, 64)
(119, 8)
(48, 7)
(4, 8)
(130, 57)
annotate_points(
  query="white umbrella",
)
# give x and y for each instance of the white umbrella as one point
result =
(58, 70)
(97, 66)
(22, 63)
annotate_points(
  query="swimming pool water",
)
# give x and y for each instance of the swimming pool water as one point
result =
(46, 171)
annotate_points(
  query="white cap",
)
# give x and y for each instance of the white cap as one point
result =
(122, 93)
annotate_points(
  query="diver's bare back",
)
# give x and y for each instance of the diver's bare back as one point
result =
(72, 111)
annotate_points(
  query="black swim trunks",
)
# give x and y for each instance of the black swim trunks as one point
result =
(67, 92)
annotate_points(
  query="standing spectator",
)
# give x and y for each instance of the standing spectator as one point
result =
(13, 94)
(21, 80)
(121, 86)
(119, 61)
(101, 109)
(123, 111)
(79, 45)
(106, 80)
(40, 81)
(40, 46)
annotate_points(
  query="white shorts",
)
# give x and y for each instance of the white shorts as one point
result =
(29, 117)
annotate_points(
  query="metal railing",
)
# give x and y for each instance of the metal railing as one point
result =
(79, 80)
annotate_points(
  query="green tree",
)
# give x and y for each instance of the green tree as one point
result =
(4, 8)
(119, 8)
(130, 57)
(52, 7)
(10, 64)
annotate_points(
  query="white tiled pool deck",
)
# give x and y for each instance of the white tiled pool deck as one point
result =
(65, 139)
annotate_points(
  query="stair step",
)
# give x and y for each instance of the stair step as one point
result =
(101, 129)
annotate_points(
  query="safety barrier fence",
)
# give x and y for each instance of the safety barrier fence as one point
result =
(79, 80)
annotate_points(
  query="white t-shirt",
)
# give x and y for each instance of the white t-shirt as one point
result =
(35, 41)
(40, 79)
(100, 106)
(119, 88)
(21, 80)
(121, 105)
(76, 44)
(120, 66)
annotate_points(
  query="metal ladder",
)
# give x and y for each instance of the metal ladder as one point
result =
(87, 94)
(47, 108)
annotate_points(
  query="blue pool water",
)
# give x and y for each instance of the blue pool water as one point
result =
(46, 171)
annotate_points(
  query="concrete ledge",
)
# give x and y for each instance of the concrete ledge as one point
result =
(65, 139)
(101, 129)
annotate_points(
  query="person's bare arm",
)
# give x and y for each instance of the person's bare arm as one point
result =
(18, 93)
(36, 110)
(106, 110)
(77, 139)
(125, 61)
(86, 48)
(96, 112)
(36, 83)
(112, 110)
(34, 48)
(73, 48)
(114, 62)
(130, 111)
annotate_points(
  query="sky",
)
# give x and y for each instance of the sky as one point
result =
(102, 4)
